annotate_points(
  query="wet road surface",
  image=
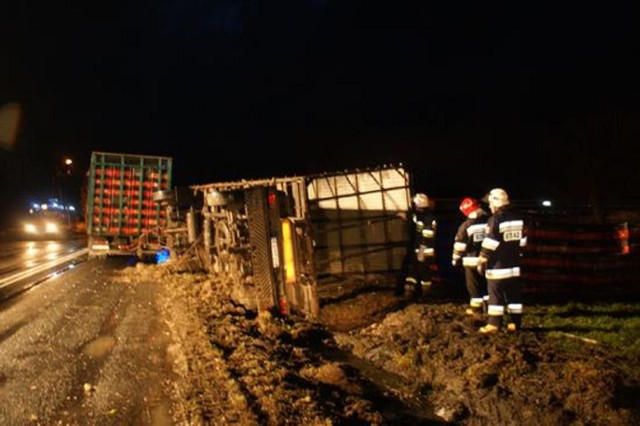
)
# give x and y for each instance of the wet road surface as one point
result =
(83, 348)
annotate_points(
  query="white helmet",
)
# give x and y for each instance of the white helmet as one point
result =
(421, 200)
(498, 197)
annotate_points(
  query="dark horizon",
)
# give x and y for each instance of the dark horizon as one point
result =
(542, 102)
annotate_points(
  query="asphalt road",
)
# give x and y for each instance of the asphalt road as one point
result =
(82, 347)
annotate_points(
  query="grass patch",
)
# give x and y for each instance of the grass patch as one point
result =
(613, 326)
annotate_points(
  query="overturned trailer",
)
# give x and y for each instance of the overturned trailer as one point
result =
(276, 239)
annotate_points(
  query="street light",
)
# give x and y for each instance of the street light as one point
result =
(68, 162)
(62, 176)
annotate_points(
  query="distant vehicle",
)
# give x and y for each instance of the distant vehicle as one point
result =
(51, 220)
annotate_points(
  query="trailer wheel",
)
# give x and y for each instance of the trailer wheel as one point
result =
(223, 241)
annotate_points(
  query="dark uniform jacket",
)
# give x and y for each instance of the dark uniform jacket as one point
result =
(468, 240)
(501, 247)
(425, 229)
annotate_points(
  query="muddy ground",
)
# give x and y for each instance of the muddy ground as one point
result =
(374, 358)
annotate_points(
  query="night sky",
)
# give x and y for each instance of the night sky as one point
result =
(542, 101)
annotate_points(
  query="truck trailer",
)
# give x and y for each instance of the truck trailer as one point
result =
(275, 240)
(124, 212)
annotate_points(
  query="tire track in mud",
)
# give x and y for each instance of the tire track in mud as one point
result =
(269, 370)
(298, 362)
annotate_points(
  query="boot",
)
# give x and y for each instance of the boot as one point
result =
(489, 329)
(425, 288)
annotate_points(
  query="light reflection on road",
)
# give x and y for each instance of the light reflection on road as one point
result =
(37, 252)
(21, 256)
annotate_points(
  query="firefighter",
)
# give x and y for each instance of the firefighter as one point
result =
(466, 250)
(500, 258)
(421, 256)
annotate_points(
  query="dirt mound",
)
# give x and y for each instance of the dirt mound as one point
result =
(378, 359)
(470, 378)
(244, 368)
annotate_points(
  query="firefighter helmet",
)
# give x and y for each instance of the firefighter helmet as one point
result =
(421, 200)
(468, 206)
(498, 197)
